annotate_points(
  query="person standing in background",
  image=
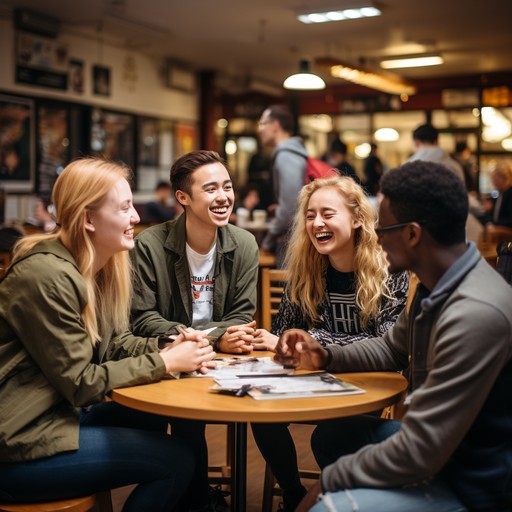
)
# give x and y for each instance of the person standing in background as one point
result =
(425, 142)
(501, 214)
(462, 155)
(337, 157)
(373, 170)
(159, 209)
(288, 170)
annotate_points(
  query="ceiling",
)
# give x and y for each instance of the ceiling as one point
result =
(261, 41)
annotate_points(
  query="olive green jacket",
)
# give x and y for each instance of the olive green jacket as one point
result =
(162, 295)
(48, 365)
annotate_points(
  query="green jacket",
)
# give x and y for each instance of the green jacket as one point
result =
(48, 365)
(163, 298)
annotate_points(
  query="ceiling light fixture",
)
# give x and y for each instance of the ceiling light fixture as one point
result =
(412, 61)
(384, 83)
(353, 10)
(304, 80)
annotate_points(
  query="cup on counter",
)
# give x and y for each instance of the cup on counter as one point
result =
(243, 216)
(259, 217)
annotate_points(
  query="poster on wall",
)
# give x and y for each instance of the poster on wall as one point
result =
(101, 80)
(41, 61)
(16, 144)
(112, 135)
(76, 75)
(53, 145)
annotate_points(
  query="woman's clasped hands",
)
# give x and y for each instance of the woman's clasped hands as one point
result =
(190, 351)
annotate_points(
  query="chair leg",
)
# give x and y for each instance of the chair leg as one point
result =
(268, 490)
(104, 501)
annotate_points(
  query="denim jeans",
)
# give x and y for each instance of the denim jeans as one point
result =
(333, 439)
(433, 496)
(118, 447)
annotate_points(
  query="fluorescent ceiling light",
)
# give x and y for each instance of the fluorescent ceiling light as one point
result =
(412, 62)
(363, 10)
(304, 81)
(372, 80)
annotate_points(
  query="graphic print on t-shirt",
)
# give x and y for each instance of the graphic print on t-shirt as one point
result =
(345, 312)
(202, 289)
(201, 285)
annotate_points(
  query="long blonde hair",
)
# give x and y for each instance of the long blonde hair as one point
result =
(81, 188)
(306, 265)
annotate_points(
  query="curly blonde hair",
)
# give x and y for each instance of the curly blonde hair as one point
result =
(306, 265)
(81, 188)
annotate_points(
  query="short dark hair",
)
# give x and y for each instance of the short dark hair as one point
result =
(426, 133)
(431, 193)
(338, 146)
(184, 167)
(162, 184)
(460, 147)
(281, 114)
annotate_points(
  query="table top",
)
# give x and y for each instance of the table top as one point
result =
(189, 398)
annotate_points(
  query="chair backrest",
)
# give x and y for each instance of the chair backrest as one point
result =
(272, 285)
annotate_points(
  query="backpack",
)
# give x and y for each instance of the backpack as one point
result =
(315, 168)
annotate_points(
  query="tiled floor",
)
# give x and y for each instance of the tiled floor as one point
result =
(216, 435)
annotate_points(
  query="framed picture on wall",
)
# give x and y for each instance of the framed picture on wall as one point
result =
(52, 145)
(101, 80)
(76, 76)
(17, 159)
(112, 135)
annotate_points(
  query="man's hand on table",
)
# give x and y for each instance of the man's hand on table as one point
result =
(296, 348)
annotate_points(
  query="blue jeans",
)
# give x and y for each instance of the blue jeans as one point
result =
(138, 452)
(333, 439)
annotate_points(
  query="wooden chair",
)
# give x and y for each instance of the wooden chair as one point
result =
(221, 473)
(272, 286)
(101, 501)
(489, 241)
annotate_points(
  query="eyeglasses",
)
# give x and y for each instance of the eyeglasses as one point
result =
(263, 123)
(391, 227)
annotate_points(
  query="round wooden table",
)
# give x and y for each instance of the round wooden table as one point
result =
(189, 398)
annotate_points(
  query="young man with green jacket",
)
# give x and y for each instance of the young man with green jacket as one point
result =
(201, 272)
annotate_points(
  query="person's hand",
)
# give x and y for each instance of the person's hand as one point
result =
(185, 334)
(187, 356)
(298, 348)
(264, 340)
(310, 499)
(237, 339)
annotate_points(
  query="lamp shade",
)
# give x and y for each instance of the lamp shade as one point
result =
(304, 80)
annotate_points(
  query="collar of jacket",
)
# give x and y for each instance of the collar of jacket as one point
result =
(452, 277)
(176, 237)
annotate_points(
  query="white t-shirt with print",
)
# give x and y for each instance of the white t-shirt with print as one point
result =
(201, 283)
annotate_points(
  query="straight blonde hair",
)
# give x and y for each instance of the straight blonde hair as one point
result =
(306, 265)
(81, 188)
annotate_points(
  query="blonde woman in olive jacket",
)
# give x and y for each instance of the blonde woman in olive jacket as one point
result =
(63, 303)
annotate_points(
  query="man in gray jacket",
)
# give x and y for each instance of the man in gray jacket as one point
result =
(452, 451)
(288, 171)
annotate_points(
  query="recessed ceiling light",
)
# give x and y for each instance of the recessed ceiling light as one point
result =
(353, 11)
